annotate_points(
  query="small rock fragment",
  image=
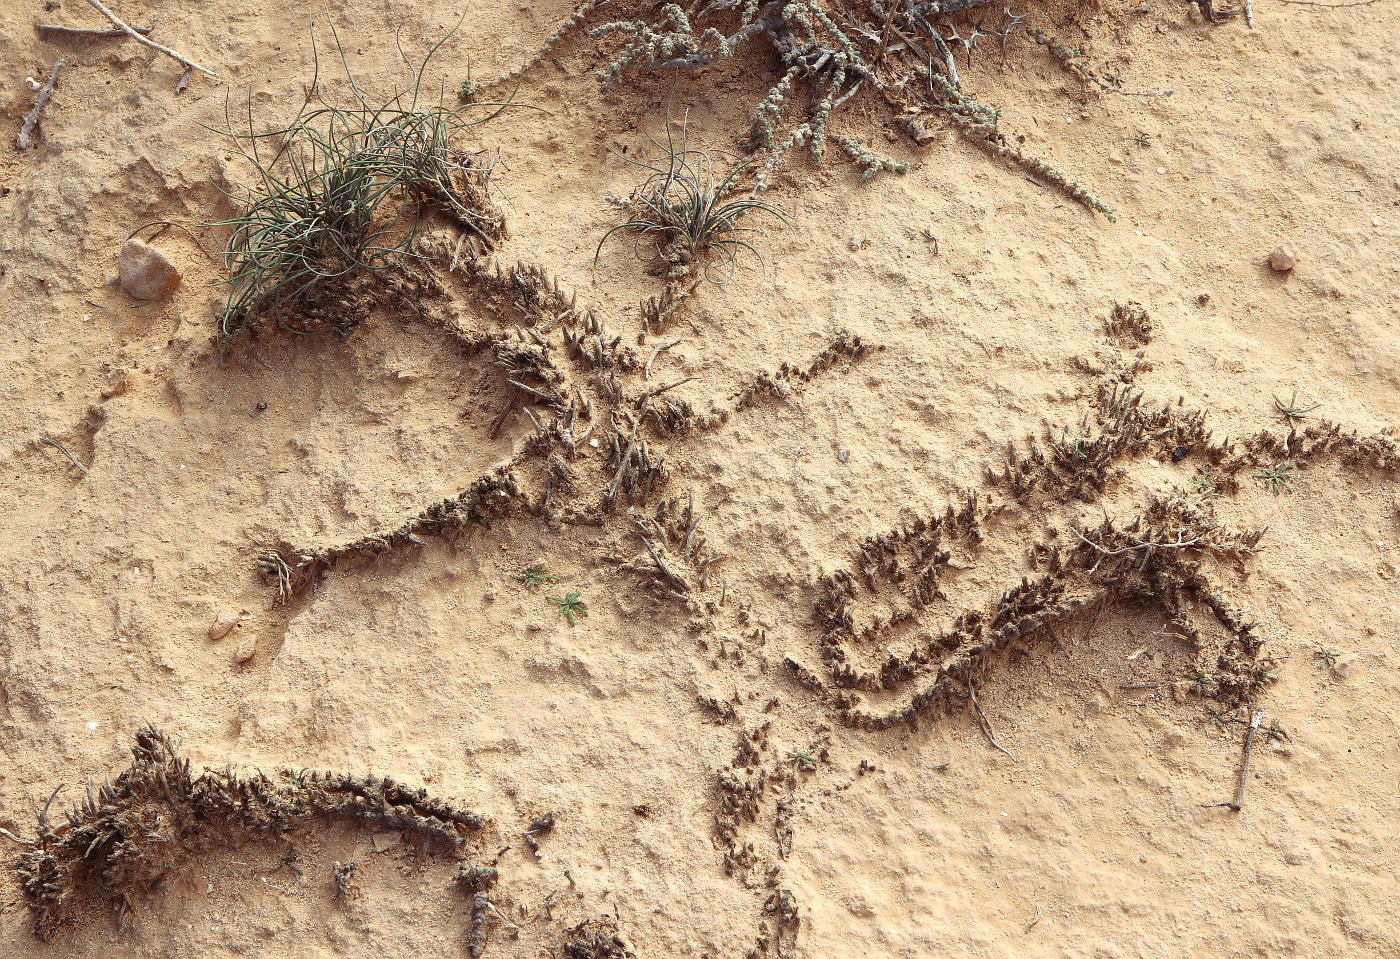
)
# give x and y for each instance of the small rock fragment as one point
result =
(1344, 665)
(384, 841)
(855, 243)
(145, 272)
(843, 455)
(1283, 258)
(1179, 690)
(246, 649)
(223, 622)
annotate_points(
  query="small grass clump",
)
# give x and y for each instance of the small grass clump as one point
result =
(802, 759)
(691, 220)
(1204, 485)
(343, 189)
(570, 605)
(1277, 478)
(1293, 411)
(533, 575)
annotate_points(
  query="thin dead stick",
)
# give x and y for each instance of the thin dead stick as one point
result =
(510, 405)
(982, 717)
(1179, 544)
(64, 450)
(657, 392)
(1328, 6)
(27, 128)
(885, 33)
(1249, 14)
(1036, 919)
(9, 835)
(544, 397)
(1254, 721)
(1093, 622)
(167, 224)
(53, 29)
(655, 353)
(179, 58)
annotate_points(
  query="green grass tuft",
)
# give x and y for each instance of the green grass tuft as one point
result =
(690, 219)
(346, 188)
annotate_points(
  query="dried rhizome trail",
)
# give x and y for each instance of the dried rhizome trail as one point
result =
(390, 211)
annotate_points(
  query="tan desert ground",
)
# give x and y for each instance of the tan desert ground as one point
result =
(775, 753)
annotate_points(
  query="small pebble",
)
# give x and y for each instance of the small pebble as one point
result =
(90, 726)
(1344, 665)
(855, 243)
(1161, 169)
(246, 649)
(145, 272)
(490, 594)
(224, 621)
(843, 455)
(1283, 258)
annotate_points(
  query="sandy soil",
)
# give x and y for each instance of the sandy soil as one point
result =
(433, 665)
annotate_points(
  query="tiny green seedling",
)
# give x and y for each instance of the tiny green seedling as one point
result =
(802, 759)
(1142, 139)
(1199, 684)
(1221, 720)
(1327, 655)
(533, 575)
(1276, 478)
(1274, 731)
(1204, 485)
(569, 605)
(1291, 411)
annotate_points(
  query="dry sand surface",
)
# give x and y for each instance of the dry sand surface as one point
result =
(983, 298)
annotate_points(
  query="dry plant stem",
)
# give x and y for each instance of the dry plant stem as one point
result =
(64, 450)
(1254, 721)
(657, 352)
(27, 128)
(53, 29)
(986, 724)
(179, 58)
(657, 392)
(1089, 630)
